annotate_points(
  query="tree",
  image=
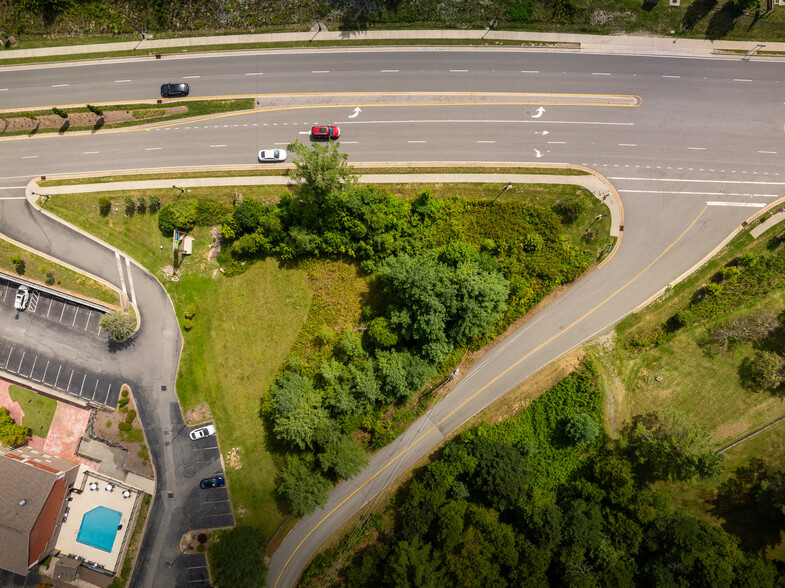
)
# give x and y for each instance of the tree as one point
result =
(60, 112)
(581, 428)
(500, 476)
(12, 434)
(104, 205)
(130, 206)
(320, 169)
(237, 558)
(179, 215)
(380, 334)
(18, 263)
(665, 445)
(297, 409)
(754, 326)
(118, 324)
(412, 563)
(155, 203)
(344, 457)
(95, 110)
(303, 488)
(767, 370)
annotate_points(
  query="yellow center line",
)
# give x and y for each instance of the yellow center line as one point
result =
(540, 346)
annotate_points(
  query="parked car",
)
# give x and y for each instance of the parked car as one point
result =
(272, 155)
(202, 432)
(174, 90)
(22, 297)
(216, 482)
(325, 132)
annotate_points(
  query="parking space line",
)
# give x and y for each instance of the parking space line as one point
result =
(120, 269)
(20, 362)
(51, 301)
(68, 388)
(89, 316)
(197, 568)
(31, 369)
(73, 323)
(62, 312)
(215, 501)
(58, 376)
(43, 379)
(95, 389)
(83, 380)
(130, 280)
(107, 393)
(9, 357)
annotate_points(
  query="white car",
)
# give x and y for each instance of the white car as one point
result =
(22, 297)
(202, 432)
(272, 155)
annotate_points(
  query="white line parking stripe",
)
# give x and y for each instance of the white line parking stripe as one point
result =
(120, 269)
(20, 362)
(33, 368)
(130, 280)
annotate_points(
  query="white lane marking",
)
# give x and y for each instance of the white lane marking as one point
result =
(217, 145)
(695, 181)
(557, 142)
(486, 141)
(745, 204)
(90, 152)
(120, 269)
(3, 89)
(349, 142)
(280, 143)
(485, 121)
(153, 148)
(415, 141)
(700, 193)
(30, 157)
(305, 132)
(768, 152)
(599, 73)
(458, 70)
(627, 145)
(529, 71)
(388, 71)
(255, 73)
(13, 197)
(130, 279)
(741, 80)
(674, 77)
(320, 71)
(59, 85)
(191, 77)
(121, 81)
(697, 148)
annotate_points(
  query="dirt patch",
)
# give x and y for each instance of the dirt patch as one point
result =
(85, 119)
(199, 414)
(233, 458)
(106, 427)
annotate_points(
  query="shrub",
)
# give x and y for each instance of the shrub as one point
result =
(108, 424)
(521, 11)
(141, 205)
(581, 428)
(767, 370)
(179, 215)
(755, 326)
(570, 208)
(129, 418)
(49, 274)
(123, 400)
(124, 426)
(12, 434)
(202, 537)
(155, 203)
(188, 324)
(18, 263)
(533, 243)
(200, 548)
(118, 324)
(95, 110)
(130, 206)
(29, 115)
(237, 558)
(104, 205)
(60, 112)
(209, 212)
(124, 393)
(190, 311)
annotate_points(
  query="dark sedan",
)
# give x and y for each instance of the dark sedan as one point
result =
(216, 482)
(174, 90)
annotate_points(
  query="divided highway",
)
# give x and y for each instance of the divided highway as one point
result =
(700, 154)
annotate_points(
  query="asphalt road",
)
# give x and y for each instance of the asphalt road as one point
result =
(700, 154)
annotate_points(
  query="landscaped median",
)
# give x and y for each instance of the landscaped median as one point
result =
(97, 117)
(239, 330)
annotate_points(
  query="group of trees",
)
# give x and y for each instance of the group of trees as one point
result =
(525, 503)
(12, 434)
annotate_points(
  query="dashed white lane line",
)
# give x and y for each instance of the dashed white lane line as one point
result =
(745, 204)
(697, 148)
(130, 280)
(121, 81)
(59, 85)
(486, 141)
(217, 145)
(3, 89)
(459, 70)
(698, 181)
(627, 145)
(90, 152)
(673, 77)
(349, 142)
(600, 73)
(153, 148)
(529, 71)
(557, 142)
(741, 80)
(768, 152)
(120, 270)
(191, 77)
(699, 193)
(30, 157)
(415, 141)
(320, 71)
(255, 73)
(388, 71)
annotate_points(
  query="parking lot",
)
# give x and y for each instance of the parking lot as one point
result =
(68, 313)
(192, 571)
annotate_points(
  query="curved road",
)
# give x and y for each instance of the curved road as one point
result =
(700, 154)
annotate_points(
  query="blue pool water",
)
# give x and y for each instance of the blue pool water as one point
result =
(99, 528)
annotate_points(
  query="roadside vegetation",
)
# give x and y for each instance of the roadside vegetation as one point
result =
(113, 116)
(270, 319)
(38, 24)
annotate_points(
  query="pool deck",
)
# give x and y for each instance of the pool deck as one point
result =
(88, 500)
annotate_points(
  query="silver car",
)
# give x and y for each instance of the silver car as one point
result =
(272, 155)
(202, 432)
(22, 298)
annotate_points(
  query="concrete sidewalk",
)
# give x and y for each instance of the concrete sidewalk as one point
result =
(601, 44)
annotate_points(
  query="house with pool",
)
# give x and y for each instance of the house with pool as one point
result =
(53, 506)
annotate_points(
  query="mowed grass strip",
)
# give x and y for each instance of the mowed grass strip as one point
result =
(39, 410)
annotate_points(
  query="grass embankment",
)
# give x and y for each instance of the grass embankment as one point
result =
(687, 374)
(245, 326)
(282, 172)
(39, 410)
(38, 269)
(122, 579)
(143, 114)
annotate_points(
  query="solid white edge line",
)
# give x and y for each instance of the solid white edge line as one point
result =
(744, 204)
(130, 280)
(696, 181)
(120, 270)
(698, 193)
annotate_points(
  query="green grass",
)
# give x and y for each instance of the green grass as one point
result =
(282, 172)
(195, 108)
(39, 410)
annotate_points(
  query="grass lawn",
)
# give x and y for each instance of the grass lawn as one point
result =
(244, 327)
(39, 410)
(64, 278)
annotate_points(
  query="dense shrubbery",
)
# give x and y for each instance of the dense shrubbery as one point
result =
(12, 434)
(184, 215)
(237, 557)
(513, 504)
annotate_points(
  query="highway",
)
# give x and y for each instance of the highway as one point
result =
(701, 153)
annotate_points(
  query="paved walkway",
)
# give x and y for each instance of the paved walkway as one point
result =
(619, 44)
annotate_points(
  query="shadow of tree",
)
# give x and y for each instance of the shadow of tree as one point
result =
(696, 12)
(723, 21)
(98, 124)
(65, 127)
(34, 130)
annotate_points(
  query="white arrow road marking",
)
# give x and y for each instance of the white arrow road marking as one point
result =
(540, 110)
(537, 153)
(357, 111)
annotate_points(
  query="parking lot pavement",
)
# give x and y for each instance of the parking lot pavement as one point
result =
(210, 508)
(192, 571)
(32, 363)
(72, 315)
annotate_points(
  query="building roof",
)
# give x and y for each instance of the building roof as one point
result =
(26, 483)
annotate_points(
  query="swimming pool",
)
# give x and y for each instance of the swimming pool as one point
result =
(99, 528)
